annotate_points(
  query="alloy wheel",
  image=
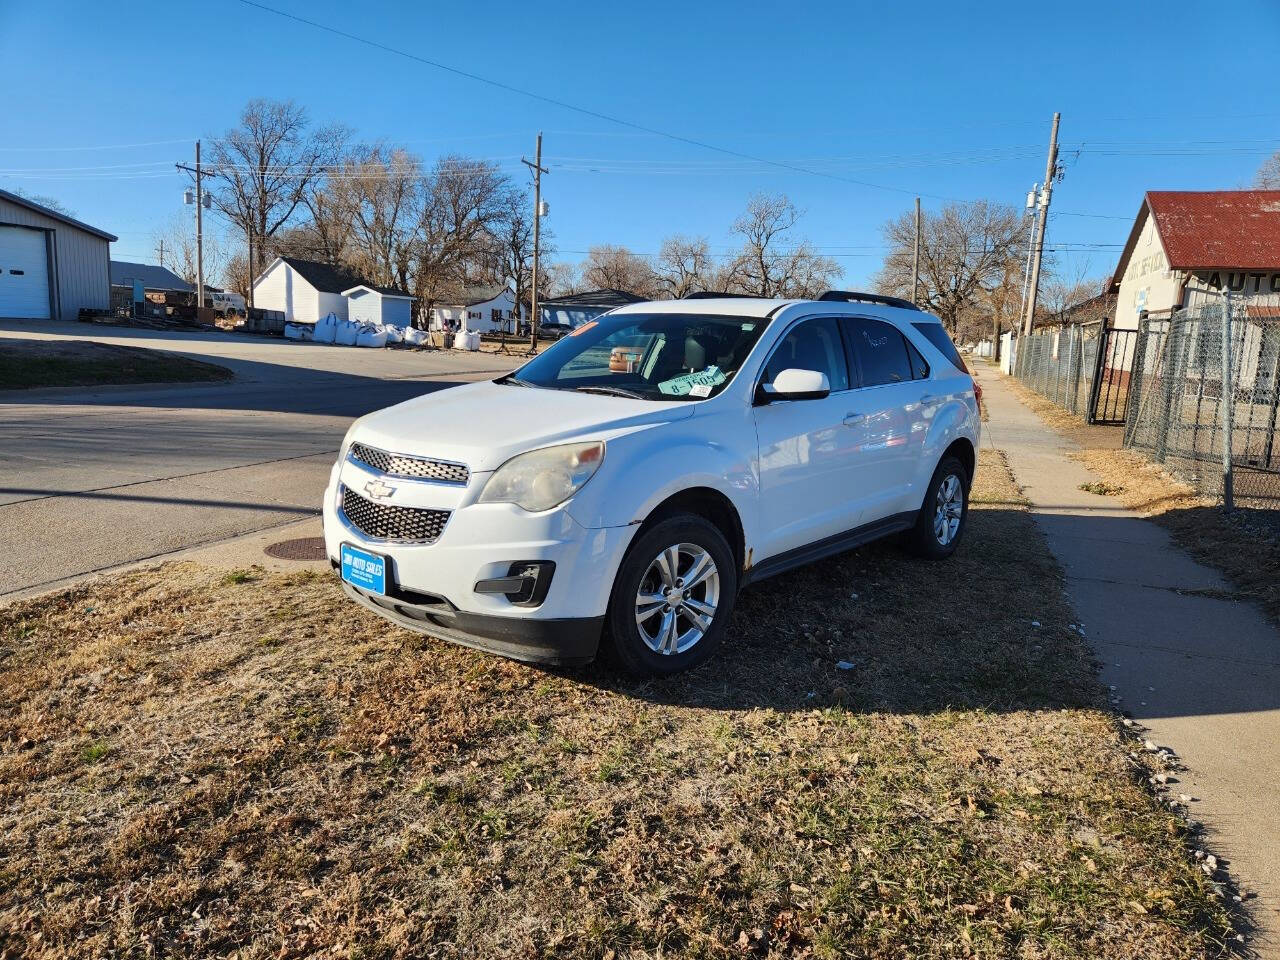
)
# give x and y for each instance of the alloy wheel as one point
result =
(948, 509)
(677, 599)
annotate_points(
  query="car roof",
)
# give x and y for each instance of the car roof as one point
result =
(775, 307)
(721, 306)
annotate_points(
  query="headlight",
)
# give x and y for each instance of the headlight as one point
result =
(346, 440)
(540, 479)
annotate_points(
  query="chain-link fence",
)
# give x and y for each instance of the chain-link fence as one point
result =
(1198, 392)
(1083, 368)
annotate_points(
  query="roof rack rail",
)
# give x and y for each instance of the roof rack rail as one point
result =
(713, 295)
(853, 296)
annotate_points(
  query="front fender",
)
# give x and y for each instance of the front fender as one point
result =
(643, 469)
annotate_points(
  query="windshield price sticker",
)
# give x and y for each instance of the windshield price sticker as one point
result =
(680, 386)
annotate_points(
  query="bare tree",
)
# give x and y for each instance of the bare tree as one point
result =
(509, 257)
(766, 267)
(381, 190)
(684, 266)
(462, 202)
(1268, 176)
(557, 279)
(610, 267)
(332, 216)
(967, 250)
(1065, 296)
(262, 170)
(178, 237)
(53, 203)
(236, 275)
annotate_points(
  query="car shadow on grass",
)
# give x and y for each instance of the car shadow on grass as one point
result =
(876, 629)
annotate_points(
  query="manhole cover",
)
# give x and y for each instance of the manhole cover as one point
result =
(304, 548)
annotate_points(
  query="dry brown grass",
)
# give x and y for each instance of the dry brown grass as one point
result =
(194, 764)
(1242, 544)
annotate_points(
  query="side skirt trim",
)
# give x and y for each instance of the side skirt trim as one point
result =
(821, 549)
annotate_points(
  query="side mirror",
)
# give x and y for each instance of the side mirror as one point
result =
(795, 384)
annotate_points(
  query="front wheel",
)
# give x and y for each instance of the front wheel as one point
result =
(673, 596)
(944, 512)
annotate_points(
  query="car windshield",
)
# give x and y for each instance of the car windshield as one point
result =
(656, 356)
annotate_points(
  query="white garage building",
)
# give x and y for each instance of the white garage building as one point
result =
(304, 290)
(379, 305)
(51, 265)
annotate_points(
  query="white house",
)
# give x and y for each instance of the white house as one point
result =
(379, 305)
(480, 309)
(304, 290)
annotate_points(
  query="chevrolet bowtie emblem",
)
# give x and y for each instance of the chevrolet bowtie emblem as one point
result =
(378, 490)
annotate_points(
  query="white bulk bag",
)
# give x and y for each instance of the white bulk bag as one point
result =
(298, 331)
(326, 330)
(394, 334)
(347, 333)
(415, 337)
(371, 336)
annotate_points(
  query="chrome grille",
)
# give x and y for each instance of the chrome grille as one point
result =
(399, 465)
(383, 522)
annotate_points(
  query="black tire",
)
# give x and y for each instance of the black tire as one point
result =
(640, 566)
(923, 540)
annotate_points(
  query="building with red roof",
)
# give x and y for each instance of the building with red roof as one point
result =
(1189, 246)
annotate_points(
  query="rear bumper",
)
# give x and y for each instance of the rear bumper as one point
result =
(563, 641)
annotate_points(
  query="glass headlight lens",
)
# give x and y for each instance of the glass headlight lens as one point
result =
(540, 479)
(346, 440)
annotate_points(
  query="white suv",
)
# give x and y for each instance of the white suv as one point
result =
(630, 480)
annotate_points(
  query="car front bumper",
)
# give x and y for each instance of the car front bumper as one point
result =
(561, 641)
(431, 587)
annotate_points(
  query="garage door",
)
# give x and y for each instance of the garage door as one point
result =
(24, 274)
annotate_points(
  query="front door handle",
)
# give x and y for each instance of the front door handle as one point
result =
(851, 418)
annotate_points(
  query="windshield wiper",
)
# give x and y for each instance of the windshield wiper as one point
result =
(514, 381)
(612, 392)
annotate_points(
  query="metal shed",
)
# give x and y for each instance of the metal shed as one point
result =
(51, 265)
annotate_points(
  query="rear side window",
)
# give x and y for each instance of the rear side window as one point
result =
(919, 366)
(881, 351)
(937, 335)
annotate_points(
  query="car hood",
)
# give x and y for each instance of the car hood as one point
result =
(485, 424)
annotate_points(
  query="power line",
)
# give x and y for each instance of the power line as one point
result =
(106, 146)
(608, 118)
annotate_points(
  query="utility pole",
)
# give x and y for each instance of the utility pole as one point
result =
(162, 251)
(538, 171)
(915, 261)
(199, 233)
(248, 231)
(198, 171)
(1050, 174)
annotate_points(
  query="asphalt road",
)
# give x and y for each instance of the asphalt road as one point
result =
(92, 479)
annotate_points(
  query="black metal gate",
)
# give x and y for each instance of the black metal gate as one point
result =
(1112, 375)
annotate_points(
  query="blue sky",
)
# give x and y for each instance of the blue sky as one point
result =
(947, 100)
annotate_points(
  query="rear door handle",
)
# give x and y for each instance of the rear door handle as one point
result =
(851, 418)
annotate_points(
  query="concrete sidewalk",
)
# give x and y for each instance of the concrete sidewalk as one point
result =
(1199, 669)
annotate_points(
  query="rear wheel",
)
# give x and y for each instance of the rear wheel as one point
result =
(942, 516)
(673, 596)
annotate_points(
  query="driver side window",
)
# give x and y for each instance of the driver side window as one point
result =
(812, 345)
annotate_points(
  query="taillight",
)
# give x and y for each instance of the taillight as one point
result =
(977, 390)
